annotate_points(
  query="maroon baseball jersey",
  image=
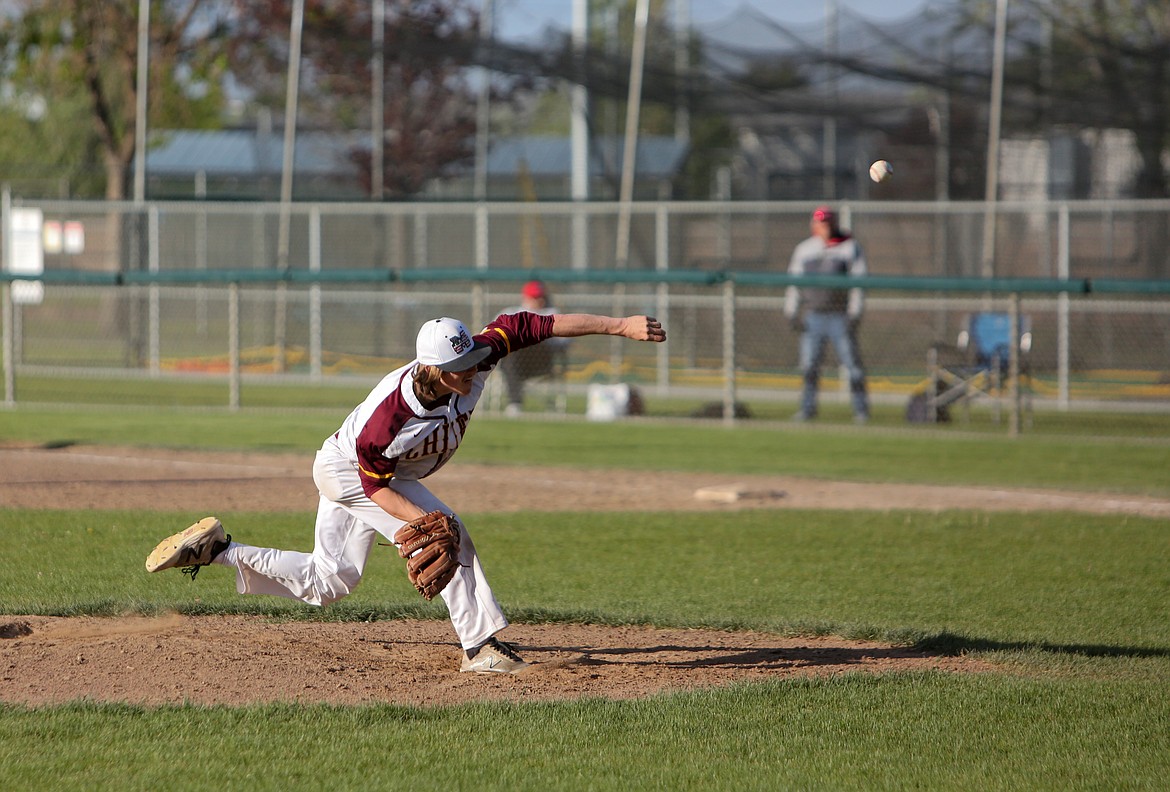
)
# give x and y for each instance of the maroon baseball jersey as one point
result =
(392, 435)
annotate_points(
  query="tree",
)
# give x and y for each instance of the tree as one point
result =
(429, 100)
(1074, 64)
(77, 62)
(1108, 66)
(604, 69)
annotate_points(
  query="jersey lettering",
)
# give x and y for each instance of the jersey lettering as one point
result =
(442, 442)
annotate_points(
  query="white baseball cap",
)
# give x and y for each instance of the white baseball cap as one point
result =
(446, 344)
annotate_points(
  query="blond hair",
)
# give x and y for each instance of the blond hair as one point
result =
(426, 382)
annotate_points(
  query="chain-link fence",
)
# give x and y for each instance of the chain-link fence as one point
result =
(1125, 240)
(329, 294)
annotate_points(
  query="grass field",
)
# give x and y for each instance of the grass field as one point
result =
(1094, 462)
(1071, 609)
(122, 394)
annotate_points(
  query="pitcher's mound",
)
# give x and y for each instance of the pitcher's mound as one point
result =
(238, 660)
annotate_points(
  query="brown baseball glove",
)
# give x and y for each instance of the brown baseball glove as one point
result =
(430, 545)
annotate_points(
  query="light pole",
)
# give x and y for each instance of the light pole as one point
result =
(377, 99)
(995, 113)
(140, 99)
(829, 142)
(579, 136)
(286, 177)
(483, 105)
(630, 149)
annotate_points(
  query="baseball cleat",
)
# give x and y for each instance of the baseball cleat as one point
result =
(190, 549)
(494, 657)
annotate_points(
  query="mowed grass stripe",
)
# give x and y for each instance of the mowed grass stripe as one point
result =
(1077, 462)
(999, 581)
(902, 731)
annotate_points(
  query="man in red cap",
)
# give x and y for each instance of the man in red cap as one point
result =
(829, 314)
(538, 361)
(534, 292)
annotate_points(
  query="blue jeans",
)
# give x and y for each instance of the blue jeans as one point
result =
(819, 328)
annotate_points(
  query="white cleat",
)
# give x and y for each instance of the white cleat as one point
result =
(494, 657)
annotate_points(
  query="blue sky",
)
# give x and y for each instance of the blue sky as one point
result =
(525, 18)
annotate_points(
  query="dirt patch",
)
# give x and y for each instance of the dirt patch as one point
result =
(88, 477)
(239, 660)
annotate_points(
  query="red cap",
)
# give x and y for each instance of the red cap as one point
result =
(533, 290)
(824, 214)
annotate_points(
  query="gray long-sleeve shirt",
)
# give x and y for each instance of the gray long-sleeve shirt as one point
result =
(838, 256)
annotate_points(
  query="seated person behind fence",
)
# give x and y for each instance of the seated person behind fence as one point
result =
(535, 361)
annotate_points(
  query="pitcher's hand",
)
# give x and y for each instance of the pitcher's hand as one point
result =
(643, 328)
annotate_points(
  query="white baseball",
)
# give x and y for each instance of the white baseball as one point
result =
(880, 171)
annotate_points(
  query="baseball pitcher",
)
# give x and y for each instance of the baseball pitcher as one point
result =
(370, 477)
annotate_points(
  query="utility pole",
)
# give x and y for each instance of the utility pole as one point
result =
(140, 101)
(829, 149)
(630, 150)
(378, 100)
(297, 24)
(682, 69)
(579, 97)
(483, 105)
(991, 190)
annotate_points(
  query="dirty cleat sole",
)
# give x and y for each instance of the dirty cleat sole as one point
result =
(196, 546)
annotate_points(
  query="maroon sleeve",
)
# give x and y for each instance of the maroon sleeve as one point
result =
(509, 332)
(375, 469)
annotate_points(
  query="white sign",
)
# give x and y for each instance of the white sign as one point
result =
(74, 237)
(25, 254)
(53, 241)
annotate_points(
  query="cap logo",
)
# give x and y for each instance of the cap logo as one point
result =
(460, 343)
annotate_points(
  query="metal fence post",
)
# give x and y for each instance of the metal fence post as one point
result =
(200, 244)
(234, 345)
(420, 248)
(482, 262)
(932, 404)
(155, 312)
(1014, 365)
(315, 294)
(9, 358)
(729, 351)
(7, 309)
(1062, 309)
(662, 301)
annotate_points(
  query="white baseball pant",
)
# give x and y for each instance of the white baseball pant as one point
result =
(348, 524)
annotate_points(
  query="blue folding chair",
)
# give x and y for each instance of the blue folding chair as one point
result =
(980, 364)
